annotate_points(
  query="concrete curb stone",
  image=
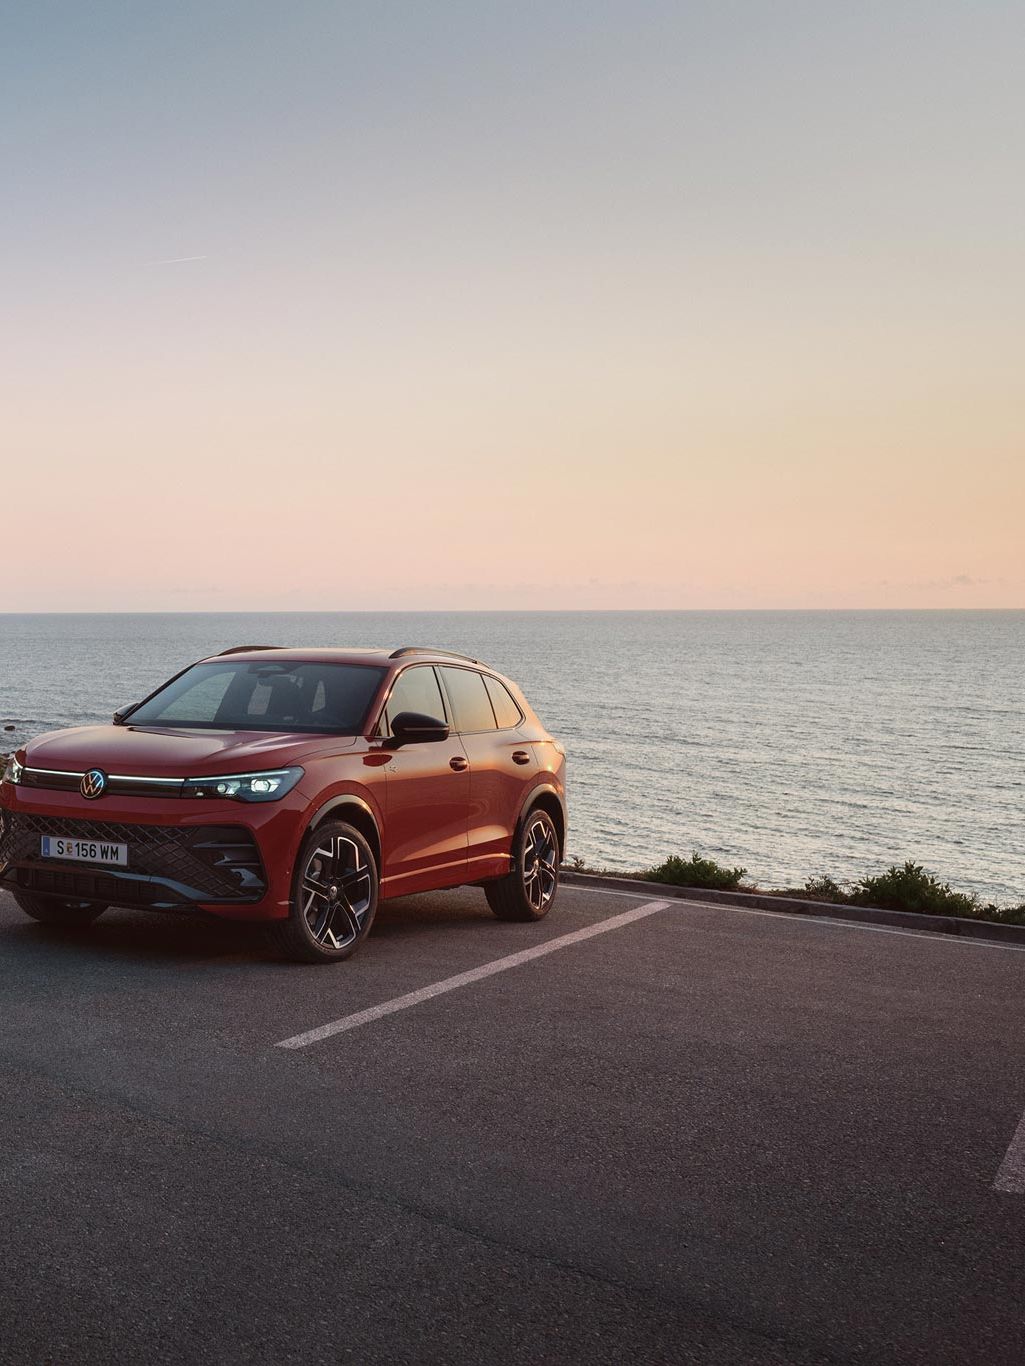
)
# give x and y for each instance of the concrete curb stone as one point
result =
(826, 910)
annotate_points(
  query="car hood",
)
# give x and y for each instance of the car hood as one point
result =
(160, 752)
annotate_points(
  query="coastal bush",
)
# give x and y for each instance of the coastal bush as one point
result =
(906, 887)
(696, 872)
(824, 888)
(911, 888)
(1007, 915)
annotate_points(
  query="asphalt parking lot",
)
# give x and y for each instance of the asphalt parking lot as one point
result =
(701, 1135)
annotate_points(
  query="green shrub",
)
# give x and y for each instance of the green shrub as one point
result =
(1007, 915)
(825, 887)
(911, 888)
(696, 872)
(906, 887)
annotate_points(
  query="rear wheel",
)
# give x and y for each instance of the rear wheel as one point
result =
(334, 896)
(528, 890)
(52, 910)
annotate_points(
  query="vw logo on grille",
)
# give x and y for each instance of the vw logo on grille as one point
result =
(94, 783)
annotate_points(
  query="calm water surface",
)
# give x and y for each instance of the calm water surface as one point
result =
(794, 743)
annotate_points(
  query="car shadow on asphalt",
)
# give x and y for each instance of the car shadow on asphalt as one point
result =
(163, 938)
(154, 940)
(410, 916)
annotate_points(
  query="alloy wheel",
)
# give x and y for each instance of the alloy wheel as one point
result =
(540, 864)
(337, 890)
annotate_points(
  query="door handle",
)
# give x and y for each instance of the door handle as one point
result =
(520, 756)
(458, 763)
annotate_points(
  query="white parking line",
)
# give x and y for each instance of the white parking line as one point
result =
(1011, 1176)
(462, 979)
(931, 935)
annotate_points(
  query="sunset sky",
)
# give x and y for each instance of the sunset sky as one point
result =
(468, 305)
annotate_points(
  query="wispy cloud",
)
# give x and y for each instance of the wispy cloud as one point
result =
(177, 260)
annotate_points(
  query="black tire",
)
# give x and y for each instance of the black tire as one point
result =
(528, 889)
(334, 896)
(51, 910)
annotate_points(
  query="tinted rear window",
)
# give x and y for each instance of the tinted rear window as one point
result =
(507, 713)
(469, 699)
(265, 695)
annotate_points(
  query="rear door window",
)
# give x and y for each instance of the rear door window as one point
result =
(470, 702)
(507, 713)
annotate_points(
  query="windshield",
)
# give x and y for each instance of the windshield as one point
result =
(266, 695)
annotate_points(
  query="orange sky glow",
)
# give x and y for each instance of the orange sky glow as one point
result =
(516, 309)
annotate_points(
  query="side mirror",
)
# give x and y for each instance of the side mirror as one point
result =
(413, 727)
(123, 712)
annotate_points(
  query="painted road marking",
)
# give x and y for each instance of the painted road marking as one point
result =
(824, 921)
(1011, 1176)
(462, 979)
(878, 929)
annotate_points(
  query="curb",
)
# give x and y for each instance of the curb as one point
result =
(825, 910)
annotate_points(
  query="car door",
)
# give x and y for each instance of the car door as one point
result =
(501, 765)
(427, 794)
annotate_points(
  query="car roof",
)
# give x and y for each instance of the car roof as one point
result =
(355, 654)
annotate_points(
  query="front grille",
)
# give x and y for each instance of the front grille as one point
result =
(118, 785)
(98, 885)
(58, 782)
(167, 865)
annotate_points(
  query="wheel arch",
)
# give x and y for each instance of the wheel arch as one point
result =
(358, 813)
(549, 799)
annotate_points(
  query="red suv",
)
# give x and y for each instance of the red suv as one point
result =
(296, 787)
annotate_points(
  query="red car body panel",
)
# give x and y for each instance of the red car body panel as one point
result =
(168, 752)
(417, 855)
(497, 782)
(441, 813)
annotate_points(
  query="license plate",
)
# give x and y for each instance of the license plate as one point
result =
(84, 851)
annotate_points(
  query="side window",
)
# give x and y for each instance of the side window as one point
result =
(507, 713)
(416, 690)
(469, 698)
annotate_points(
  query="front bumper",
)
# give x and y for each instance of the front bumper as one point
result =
(169, 867)
(228, 858)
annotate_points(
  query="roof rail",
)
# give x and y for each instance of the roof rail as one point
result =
(426, 650)
(244, 649)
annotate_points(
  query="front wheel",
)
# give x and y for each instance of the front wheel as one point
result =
(51, 910)
(528, 889)
(334, 896)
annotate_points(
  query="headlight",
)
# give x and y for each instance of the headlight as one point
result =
(13, 771)
(245, 787)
